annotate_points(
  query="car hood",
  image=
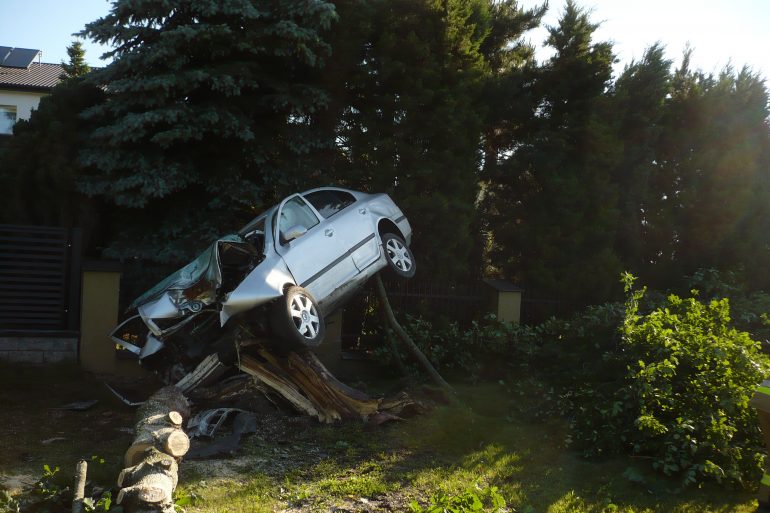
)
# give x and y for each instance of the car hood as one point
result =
(203, 273)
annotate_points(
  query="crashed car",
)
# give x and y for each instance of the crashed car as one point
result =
(282, 273)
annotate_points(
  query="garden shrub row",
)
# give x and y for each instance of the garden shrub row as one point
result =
(665, 378)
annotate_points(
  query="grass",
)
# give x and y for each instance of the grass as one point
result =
(301, 466)
(449, 451)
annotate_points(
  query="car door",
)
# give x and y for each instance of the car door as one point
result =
(319, 259)
(352, 220)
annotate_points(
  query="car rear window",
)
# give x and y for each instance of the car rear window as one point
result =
(329, 202)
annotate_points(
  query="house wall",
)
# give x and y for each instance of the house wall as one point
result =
(24, 101)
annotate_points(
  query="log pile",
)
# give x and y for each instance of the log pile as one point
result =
(151, 474)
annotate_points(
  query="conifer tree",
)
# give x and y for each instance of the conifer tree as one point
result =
(637, 109)
(77, 65)
(561, 217)
(208, 115)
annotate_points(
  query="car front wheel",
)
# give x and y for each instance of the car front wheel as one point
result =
(297, 319)
(400, 258)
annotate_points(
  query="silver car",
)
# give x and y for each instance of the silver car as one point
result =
(282, 273)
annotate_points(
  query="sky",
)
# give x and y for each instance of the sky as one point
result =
(719, 31)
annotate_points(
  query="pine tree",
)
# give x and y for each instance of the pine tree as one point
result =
(208, 118)
(77, 66)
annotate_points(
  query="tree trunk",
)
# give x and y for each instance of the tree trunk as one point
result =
(149, 481)
(80, 486)
(406, 339)
(159, 424)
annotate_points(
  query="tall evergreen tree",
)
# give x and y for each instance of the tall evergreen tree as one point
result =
(714, 160)
(561, 216)
(77, 65)
(208, 114)
(40, 162)
(409, 119)
(636, 109)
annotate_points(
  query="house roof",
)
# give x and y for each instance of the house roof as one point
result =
(36, 77)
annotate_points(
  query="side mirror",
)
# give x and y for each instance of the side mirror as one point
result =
(295, 232)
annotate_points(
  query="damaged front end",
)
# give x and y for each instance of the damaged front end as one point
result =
(187, 303)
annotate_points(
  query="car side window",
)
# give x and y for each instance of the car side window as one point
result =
(296, 213)
(329, 202)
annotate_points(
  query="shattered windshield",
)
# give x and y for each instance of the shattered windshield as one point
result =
(204, 269)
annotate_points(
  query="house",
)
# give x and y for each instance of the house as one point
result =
(23, 81)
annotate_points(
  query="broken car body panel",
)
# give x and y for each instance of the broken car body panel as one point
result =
(326, 240)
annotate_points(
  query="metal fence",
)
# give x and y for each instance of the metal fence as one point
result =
(39, 279)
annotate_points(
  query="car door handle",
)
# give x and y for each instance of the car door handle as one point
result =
(328, 232)
(362, 211)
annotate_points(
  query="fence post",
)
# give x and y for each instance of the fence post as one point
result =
(75, 251)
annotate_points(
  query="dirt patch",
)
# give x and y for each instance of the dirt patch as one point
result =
(18, 483)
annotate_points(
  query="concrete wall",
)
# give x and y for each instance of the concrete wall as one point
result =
(39, 349)
(509, 307)
(24, 101)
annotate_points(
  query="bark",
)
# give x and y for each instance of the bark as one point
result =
(407, 340)
(159, 425)
(80, 486)
(151, 474)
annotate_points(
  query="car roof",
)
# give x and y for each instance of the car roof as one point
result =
(250, 225)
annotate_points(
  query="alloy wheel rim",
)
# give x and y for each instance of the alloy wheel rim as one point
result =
(305, 316)
(398, 255)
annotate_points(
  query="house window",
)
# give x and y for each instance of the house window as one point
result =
(7, 119)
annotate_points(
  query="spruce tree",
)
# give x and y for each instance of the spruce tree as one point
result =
(208, 116)
(77, 65)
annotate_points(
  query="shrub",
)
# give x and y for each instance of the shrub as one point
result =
(683, 401)
(467, 353)
(690, 384)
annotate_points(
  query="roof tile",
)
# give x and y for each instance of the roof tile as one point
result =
(41, 76)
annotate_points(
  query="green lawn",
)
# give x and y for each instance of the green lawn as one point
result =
(448, 451)
(294, 464)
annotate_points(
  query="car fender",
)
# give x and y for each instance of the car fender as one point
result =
(382, 207)
(264, 283)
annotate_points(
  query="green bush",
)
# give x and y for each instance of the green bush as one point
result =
(483, 349)
(690, 381)
(683, 400)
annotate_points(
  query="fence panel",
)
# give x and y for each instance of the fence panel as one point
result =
(39, 278)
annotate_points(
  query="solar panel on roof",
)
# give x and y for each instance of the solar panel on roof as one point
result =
(20, 58)
(4, 51)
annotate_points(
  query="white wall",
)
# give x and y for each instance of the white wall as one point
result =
(23, 101)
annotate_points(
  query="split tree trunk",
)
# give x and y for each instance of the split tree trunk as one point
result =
(407, 340)
(149, 481)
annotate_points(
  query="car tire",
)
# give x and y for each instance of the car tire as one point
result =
(399, 257)
(297, 319)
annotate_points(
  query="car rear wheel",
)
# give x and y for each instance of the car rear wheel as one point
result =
(400, 258)
(297, 319)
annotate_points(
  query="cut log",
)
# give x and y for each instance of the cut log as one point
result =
(151, 474)
(158, 424)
